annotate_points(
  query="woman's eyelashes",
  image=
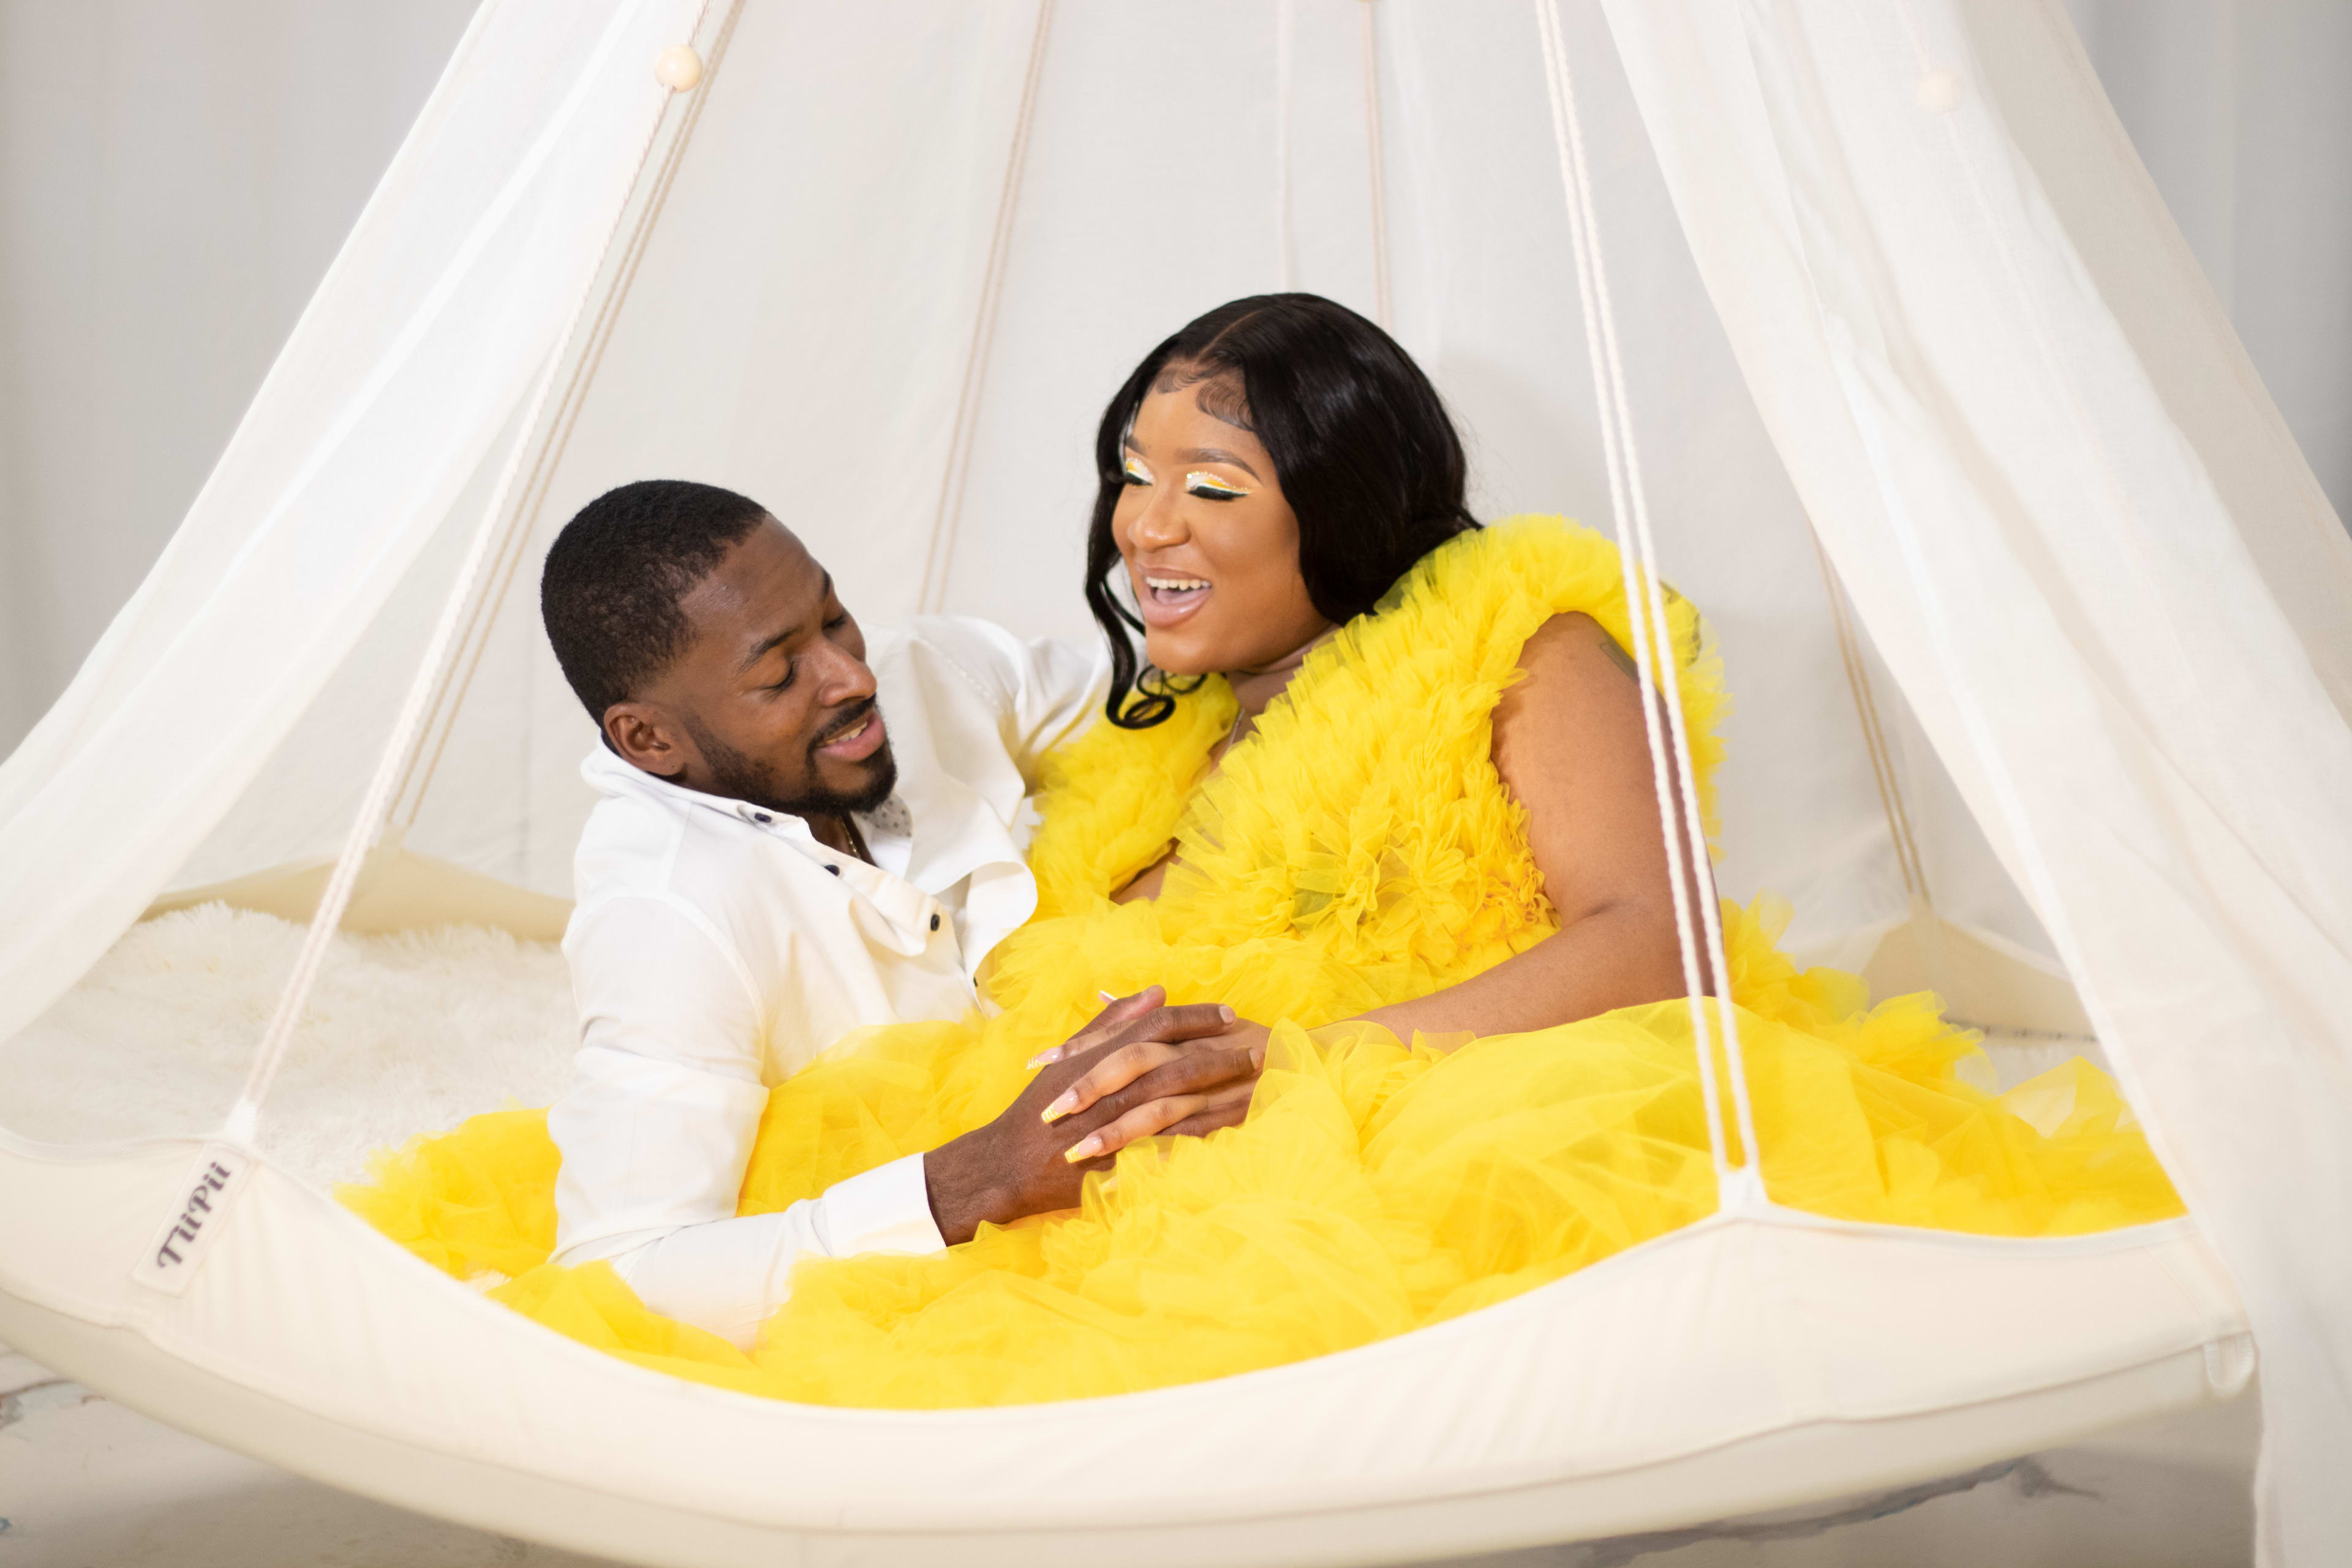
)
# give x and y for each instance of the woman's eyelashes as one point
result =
(1199, 482)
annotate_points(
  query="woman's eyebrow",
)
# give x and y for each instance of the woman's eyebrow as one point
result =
(1218, 455)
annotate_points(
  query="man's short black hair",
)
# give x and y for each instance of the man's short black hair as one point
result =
(611, 590)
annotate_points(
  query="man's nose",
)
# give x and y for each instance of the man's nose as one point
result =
(843, 676)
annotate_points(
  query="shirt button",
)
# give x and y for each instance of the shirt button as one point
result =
(935, 922)
(834, 870)
(763, 818)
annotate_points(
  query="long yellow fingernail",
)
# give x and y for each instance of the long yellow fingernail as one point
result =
(1085, 1148)
(1050, 1055)
(1060, 1108)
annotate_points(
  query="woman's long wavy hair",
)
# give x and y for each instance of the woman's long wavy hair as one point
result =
(1361, 445)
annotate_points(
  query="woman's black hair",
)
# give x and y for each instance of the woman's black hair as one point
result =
(1361, 447)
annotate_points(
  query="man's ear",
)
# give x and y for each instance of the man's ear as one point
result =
(649, 737)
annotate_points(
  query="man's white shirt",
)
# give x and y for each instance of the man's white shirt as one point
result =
(716, 947)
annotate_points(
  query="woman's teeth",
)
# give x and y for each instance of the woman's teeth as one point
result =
(1171, 590)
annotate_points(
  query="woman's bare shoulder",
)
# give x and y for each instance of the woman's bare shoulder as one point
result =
(1579, 687)
(1574, 641)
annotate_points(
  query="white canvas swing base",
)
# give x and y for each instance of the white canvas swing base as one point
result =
(1751, 1361)
(1736, 1366)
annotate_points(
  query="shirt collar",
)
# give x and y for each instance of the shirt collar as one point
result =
(613, 774)
(890, 829)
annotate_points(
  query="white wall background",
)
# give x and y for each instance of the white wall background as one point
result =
(175, 178)
(2241, 112)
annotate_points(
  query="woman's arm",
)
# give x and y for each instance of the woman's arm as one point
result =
(1572, 747)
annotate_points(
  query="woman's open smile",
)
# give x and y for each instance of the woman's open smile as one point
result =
(1169, 599)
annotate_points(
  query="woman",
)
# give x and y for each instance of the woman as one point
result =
(1382, 785)
(1247, 539)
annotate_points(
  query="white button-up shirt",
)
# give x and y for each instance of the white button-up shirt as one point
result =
(716, 947)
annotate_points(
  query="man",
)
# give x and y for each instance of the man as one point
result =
(762, 877)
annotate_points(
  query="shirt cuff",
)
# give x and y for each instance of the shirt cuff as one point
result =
(886, 1209)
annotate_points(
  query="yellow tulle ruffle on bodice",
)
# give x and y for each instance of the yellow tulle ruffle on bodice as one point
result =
(1358, 849)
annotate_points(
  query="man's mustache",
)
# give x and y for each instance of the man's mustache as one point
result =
(856, 715)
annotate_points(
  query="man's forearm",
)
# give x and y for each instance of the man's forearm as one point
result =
(729, 1276)
(961, 1180)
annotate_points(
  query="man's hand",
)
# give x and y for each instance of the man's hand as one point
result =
(1033, 1158)
(1116, 1071)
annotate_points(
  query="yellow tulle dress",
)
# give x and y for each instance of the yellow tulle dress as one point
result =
(1358, 849)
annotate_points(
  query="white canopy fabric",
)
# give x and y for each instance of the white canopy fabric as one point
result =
(422, 345)
(1892, 269)
(2133, 656)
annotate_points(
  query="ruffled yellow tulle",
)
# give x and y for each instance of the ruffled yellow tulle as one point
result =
(1357, 850)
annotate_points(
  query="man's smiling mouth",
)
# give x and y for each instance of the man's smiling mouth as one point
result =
(858, 739)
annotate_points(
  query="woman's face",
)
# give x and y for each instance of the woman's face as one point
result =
(1210, 547)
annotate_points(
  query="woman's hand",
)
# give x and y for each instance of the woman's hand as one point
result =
(1026, 1161)
(1131, 1070)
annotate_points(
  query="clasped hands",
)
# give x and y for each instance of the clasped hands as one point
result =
(1139, 1069)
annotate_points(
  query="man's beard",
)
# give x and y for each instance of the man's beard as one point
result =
(741, 777)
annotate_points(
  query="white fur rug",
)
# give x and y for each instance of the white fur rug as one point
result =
(405, 1034)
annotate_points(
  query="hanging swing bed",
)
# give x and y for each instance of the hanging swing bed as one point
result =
(1758, 1357)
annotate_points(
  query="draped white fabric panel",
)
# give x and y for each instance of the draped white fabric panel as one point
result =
(802, 322)
(2082, 610)
(117, 343)
(451, 293)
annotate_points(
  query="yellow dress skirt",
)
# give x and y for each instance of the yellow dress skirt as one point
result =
(1356, 850)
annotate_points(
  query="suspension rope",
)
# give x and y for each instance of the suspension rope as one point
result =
(244, 1117)
(1907, 858)
(1710, 910)
(1383, 309)
(940, 556)
(449, 700)
(1635, 604)
(1926, 923)
(1739, 1188)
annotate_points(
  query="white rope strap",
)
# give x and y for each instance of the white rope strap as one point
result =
(1739, 1187)
(244, 1117)
(1383, 308)
(961, 433)
(1907, 858)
